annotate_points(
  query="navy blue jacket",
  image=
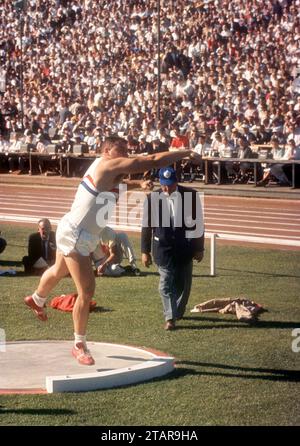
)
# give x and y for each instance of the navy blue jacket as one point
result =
(171, 244)
(35, 248)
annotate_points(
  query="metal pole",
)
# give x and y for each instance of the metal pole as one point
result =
(158, 64)
(213, 254)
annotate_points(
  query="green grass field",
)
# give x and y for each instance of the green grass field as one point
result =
(228, 373)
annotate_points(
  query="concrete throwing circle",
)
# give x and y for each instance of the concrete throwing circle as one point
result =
(48, 367)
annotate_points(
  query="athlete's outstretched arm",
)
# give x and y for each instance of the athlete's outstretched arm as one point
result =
(142, 163)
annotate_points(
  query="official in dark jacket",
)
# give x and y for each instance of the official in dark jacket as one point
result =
(41, 249)
(173, 231)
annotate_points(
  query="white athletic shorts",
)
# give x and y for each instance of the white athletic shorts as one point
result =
(70, 238)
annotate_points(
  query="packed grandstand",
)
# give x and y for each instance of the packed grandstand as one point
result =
(85, 69)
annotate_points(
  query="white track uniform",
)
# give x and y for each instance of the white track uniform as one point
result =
(78, 231)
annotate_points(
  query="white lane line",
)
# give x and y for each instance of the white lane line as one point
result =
(210, 198)
(264, 240)
(253, 227)
(209, 223)
(41, 187)
(250, 200)
(211, 206)
(139, 206)
(45, 192)
(219, 211)
(46, 206)
(136, 213)
(252, 221)
(137, 224)
(25, 219)
(34, 199)
(127, 217)
(251, 233)
(123, 211)
(275, 220)
(30, 210)
(243, 237)
(214, 206)
(207, 209)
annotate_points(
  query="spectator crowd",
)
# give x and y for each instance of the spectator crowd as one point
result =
(230, 71)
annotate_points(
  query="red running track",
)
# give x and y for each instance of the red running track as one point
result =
(267, 221)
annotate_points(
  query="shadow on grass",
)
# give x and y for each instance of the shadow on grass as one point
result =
(149, 273)
(209, 327)
(38, 411)
(102, 310)
(261, 273)
(229, 371)
(10, 263)
(226, 371)
(233, 323)
(204, 275)
(18, 275)
(153, 273)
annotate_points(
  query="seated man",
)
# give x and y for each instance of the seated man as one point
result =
(276, 170)
(41, 249)
(292, 153)
(109, 254)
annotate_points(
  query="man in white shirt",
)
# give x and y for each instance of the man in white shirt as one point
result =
(112, 249)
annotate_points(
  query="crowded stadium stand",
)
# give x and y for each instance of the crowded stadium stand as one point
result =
(75, 71)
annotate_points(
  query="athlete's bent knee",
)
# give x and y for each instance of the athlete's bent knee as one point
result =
(87, 294)
(58, 273)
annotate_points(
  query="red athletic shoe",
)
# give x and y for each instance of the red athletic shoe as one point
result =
(40, 312)
(82, 354)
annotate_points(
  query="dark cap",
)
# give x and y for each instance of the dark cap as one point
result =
(167, 176)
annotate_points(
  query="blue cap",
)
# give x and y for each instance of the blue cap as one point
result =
(167, 176)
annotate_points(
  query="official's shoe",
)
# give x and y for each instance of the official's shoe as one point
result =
(40, 312)
(82, 354)
(170, 325)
